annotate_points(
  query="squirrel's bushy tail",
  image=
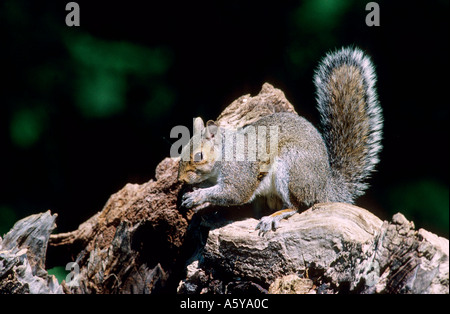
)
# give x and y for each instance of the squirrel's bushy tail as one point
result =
(351, 120)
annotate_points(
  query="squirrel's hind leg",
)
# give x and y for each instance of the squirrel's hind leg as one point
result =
(280, 187)
(272, 221)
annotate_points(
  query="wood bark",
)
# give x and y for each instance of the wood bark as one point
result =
(143, 242)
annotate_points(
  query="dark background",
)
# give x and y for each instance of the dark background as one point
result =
(85, 110)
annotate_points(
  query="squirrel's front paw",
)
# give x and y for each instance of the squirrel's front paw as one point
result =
(191, 199)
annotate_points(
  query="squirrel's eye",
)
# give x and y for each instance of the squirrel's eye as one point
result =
(198, 157)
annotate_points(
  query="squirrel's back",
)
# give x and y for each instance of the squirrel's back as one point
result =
(351, 119)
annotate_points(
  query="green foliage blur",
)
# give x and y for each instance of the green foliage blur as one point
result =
(85, 110)
(59, 272)
(103, 69)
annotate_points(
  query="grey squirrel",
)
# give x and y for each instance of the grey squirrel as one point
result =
(306, 167)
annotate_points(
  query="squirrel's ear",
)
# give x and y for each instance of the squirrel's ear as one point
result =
(211, 129)
(198, 125)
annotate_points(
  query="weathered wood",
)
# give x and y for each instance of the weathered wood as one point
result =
(22, 256)
(132, 245)
(247, 109)
(337, 247)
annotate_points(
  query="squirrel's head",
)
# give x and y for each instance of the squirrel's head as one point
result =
(199, 156)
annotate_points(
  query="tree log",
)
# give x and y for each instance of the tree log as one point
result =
(143, 242)
(330, 248)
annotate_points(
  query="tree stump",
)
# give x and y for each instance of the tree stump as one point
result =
(143, 242)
